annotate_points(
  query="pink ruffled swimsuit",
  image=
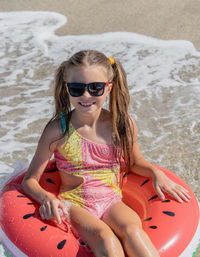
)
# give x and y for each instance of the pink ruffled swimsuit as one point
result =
(97, 165)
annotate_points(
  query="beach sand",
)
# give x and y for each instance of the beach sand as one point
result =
(168, 20)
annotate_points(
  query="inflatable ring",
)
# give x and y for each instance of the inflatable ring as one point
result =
(173, 227)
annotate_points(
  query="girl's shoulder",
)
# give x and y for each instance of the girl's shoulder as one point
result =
(52, 133)
(53, 127)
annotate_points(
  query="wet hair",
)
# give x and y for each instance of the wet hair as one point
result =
(119, 96)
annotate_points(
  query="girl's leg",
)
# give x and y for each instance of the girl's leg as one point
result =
(95, 233)
(128, 227)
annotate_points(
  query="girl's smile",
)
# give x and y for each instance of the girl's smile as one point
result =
(86, 104)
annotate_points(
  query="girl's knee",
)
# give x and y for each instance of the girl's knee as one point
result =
(101, 234)
(131, 231)
(108, 244)
(106, 235)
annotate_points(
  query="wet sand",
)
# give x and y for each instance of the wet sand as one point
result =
(168, 20)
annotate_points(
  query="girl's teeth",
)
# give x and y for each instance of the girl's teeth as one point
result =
(86, 104)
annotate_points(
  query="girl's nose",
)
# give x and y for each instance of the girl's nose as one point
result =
(86, 93)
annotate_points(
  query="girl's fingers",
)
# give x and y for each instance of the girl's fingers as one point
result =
(179, 193)
(42, 212)
(177, 197)
(49, 213)
(55, 211)
(65, 207)
(159, 192)
(183, 194)
(184, 191)
(175, 190)
(49, 209)
(173, 193)
(183, 197)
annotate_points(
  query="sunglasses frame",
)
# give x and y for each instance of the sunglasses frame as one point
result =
(69, 84)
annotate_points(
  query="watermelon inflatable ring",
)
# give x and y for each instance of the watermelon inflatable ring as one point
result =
(173, 227)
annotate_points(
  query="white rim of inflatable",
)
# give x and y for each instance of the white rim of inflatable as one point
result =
(194, 243)
(9, 246)
(19, 169)
(6, 242)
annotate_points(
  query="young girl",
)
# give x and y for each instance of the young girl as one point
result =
(91, 147)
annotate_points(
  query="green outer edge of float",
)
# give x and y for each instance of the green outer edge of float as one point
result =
(6, 252)
(198, 246)
(196, 250)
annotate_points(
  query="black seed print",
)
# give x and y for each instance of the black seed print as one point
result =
(50, 171)
(146, 181)
(125, 174)
(169, 213)
(166, 201)
(82, 243)
(61, 244)
(21, 196)
(30, 203)
(43, 228)
(50, 181)
(153, 197)
(153, 227)
(150, 218)
(27, 216)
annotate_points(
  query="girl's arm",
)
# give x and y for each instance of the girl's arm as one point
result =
(139, 165)
(161, 182)
(30, 184)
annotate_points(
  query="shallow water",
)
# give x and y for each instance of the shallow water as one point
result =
(163, 77)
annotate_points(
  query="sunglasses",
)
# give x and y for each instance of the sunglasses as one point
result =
(94, 88)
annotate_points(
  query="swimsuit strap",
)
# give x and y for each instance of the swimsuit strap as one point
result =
(63, 121)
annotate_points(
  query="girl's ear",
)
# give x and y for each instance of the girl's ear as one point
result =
(110, 87)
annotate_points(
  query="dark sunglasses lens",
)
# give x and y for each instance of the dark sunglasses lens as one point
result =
(76, 89)
(96, 88)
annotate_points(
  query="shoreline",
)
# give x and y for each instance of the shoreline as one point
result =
(168, 20)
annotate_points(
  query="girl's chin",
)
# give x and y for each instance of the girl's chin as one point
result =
(88, 110)
(84, 109)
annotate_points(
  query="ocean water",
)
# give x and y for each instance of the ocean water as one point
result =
(163, 77)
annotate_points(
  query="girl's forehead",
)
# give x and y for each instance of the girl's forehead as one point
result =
(87, 71)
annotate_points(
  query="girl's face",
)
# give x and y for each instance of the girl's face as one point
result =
(87, 103)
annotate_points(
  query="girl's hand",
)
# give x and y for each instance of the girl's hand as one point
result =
(52, 208)
(162, 182)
